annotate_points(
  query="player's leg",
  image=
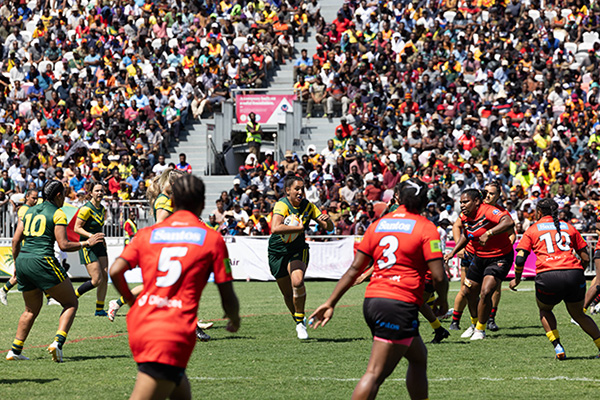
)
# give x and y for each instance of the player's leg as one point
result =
(296, 269)
(416, 375)
(384, 358)
(94, 269)
(591, 294)
(472, 289)
(550, 327)
(65, 295)
(33, 304)
(488, 287)
(183, 391)
(440, 332)
(574, 295)
(491, 323)
(102, 287)
(148, 388)
(12, 281)
(460, 301)
(115, 305)
(585, 321)
(285, 287)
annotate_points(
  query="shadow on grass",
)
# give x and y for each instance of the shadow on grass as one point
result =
(233, 337)
(96, 357)
(26, 380)
(515, 335)
(337, 340)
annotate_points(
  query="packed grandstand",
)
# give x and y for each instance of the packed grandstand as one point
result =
(456, 93)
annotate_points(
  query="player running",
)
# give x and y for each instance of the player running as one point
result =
(176, 257)
(403, 246)
(38, 270)
(288, 261)
(488, 229)
(559, 274)
(31, 199)
(466, 258)
(90, 220)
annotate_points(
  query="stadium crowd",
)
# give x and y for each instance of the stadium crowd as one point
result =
(96, 91)
(456, 93)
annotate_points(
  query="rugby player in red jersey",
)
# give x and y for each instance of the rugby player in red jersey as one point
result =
(176, 257)
(403, 246)
(559, 274)
(488, 229)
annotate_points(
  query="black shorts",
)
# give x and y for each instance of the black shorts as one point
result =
(162, 371)
(495, 266)
(391, 319)
(552, 287)
(467, 259)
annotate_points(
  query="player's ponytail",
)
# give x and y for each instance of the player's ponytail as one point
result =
(549, 207)
(412, 194)
(51, 189)
(188, 193)
(158, 183)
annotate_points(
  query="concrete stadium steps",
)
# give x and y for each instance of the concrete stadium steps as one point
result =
(317, 131)
(215, 184)
(193, 144)
(329, 9)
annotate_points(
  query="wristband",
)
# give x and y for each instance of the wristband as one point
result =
(490, 233)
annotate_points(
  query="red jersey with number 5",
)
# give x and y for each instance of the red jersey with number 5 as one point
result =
(553, 251)
(485, 219)
(400, 244)
(176, 257)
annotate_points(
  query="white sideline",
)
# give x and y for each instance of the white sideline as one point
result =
(310, 378)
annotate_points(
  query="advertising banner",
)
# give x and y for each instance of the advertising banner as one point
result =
(269, 109)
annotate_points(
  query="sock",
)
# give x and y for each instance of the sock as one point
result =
(435, 324)
(597, 299)
(17, 346)
(99, 305)
(86, 287)
(120, 301)
(431, 300)
(47, 296)
(480, 326)
(456, 315)
(554, 337)
(299, 318)
(584, 310)
(493, 312)
(8, 286)
(60, 338)
(474, 321)
(597, 343)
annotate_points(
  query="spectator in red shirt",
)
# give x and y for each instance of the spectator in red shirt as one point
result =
(515, 115)
(391, 176)
(345, 127)
(373, 191)
(345, 226)
(409, 105)
(114, 183)
(467, 140)
(341, 23)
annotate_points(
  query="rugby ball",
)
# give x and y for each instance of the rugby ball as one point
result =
(291, 220)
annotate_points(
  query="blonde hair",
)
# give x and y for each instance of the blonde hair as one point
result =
(159, 183)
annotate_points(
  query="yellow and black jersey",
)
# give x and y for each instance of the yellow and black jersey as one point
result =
(38, 229)
(306, 211)
(162, 202)
(93, 218)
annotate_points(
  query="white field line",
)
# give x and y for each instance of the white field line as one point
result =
(311, 378)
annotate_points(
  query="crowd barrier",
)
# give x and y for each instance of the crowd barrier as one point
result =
(330, 257)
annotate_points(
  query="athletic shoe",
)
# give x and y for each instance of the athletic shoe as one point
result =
(491, 325)
(11, 356)
(440, 334)
(3, 298)
(478, 335)
(113, 307)
(205, 325)
(52, 302)
(301, 331)
(597, 308)
(560, 352)
(100, 313)
(203, 337)
(57, 353)
(469, 332)
(574, 322)
(454, 326)
(447, 315)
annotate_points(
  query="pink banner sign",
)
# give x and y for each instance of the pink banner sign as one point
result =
(269, 110)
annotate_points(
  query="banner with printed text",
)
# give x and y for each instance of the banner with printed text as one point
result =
(269, 109)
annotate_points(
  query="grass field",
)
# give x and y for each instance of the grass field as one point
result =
(264, 360)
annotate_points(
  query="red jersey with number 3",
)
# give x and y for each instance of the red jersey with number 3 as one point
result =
(553, 251)
(176, 257)
(487, 217)
(401, 244)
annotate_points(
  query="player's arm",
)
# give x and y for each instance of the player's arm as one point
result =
(505, 224)
(461, 243)
(519, 264)
(117, 274)
(368, 272)
(322, 219)
(60, 233)
(594, 289)
(323, 314)
(440, 283)
(231, 305)
(162, 214)
(17, 239)
(277, 226)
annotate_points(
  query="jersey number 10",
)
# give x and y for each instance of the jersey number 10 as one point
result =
(563, 241)
(36, 227)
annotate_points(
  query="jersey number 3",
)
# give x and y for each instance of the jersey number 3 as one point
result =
(563, 241)
(389, 256)
(166, 263)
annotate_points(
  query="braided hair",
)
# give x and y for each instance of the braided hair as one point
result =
(549, 207)
(51, 189)
(188, 192)
(473, 194)
(412, 194)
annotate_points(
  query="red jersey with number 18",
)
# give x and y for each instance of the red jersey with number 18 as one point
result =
(401, 244)
(552, 254)
(176, 257)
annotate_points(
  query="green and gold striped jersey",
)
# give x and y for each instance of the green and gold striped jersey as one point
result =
(305, 211)
(162, 202)
(38, 229)
(92, 217)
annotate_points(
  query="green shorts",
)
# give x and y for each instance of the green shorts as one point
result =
(279, 264)
(38, 273)
(92, 254)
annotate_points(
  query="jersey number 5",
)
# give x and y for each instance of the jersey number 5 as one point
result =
(166, 263)
(389, 252)
(563, 241)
